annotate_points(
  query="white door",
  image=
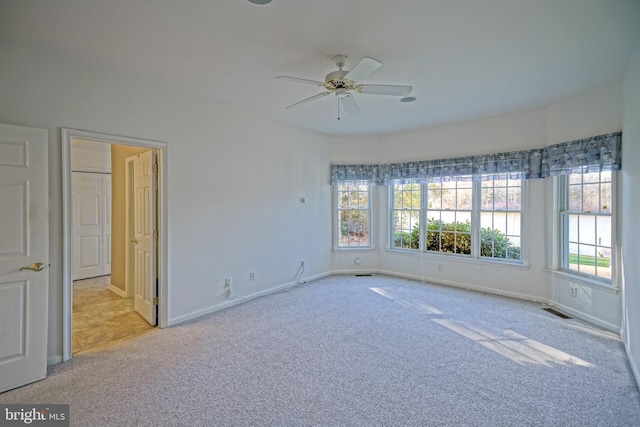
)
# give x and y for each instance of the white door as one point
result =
(87, 225)
(91, 224)
(24, 255)
(144, 232)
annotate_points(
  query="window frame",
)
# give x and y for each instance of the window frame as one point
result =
(336, 217)
(563, 214)
(479, 210)
(392, 227)
(476, 212)
(456, 233)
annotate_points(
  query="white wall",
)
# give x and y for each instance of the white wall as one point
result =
(596, 112)
(592, 113)
(630, 209)
(234, 179)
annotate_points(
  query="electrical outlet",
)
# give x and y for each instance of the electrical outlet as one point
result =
(252, 276)
(574, 290)
(439, 267)
(227, 282)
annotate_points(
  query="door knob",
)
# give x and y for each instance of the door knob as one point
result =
(134, 241)
(38, 266)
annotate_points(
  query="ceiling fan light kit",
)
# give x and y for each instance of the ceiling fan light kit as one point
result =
(344, 83)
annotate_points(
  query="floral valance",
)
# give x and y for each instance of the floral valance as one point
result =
(591, 154)
(595, 154)
(367, 174)
(515, 165)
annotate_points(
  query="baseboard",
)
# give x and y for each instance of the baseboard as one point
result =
(54, 360)
(586, 317)
(632, 363)
(283, 287)
(437, 281)
(116, 290)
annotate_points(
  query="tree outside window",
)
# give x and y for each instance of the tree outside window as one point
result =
(353, 215)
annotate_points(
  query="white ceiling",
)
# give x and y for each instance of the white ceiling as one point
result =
(465, 58)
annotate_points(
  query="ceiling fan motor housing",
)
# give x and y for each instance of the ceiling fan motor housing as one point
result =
(335, 75)
(335, 81)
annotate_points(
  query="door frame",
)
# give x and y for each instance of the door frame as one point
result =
(67, 226)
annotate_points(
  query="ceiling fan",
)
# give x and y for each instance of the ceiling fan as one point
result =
(345, 83)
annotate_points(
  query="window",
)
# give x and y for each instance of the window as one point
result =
(353, 203)
(587, 223)
(479, 219)
(501, 218)
(449, 217)
(406, 216)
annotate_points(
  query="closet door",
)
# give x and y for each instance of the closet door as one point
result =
(88, 223)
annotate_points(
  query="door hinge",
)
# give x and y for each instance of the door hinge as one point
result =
(155, 234)
(155, 168)
(155, 300)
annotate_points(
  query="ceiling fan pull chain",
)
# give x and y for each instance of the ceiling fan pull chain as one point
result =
(338, 109)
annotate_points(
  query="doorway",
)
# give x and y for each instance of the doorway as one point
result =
(95, 286)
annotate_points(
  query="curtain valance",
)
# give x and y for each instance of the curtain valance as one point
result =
(590, 154)
(366, 174)
(595, 154)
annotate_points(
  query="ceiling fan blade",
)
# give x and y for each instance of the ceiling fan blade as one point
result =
(363, 68)
(297, 80)
(308, 100)
(349, 104)
(387, 90)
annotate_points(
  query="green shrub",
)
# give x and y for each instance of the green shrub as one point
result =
(455, 237)
(450, 237)
(402, 239)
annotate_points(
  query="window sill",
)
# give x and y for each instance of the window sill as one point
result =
(462, 259)
(585, 281)
(357, 249)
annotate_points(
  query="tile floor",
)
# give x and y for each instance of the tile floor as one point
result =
(101, 316)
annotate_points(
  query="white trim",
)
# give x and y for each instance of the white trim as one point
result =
(240, 300)
(371, 195)
(587, 317)
(67, 248)
(67, 225)
(116, 290)
(354, 248)
(438, 281)
(466, 286)
(632, 363)
(466, 259)
(562, 212)
(54, 360)
(583, 280)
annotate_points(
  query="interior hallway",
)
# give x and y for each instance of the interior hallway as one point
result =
(101, 316)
